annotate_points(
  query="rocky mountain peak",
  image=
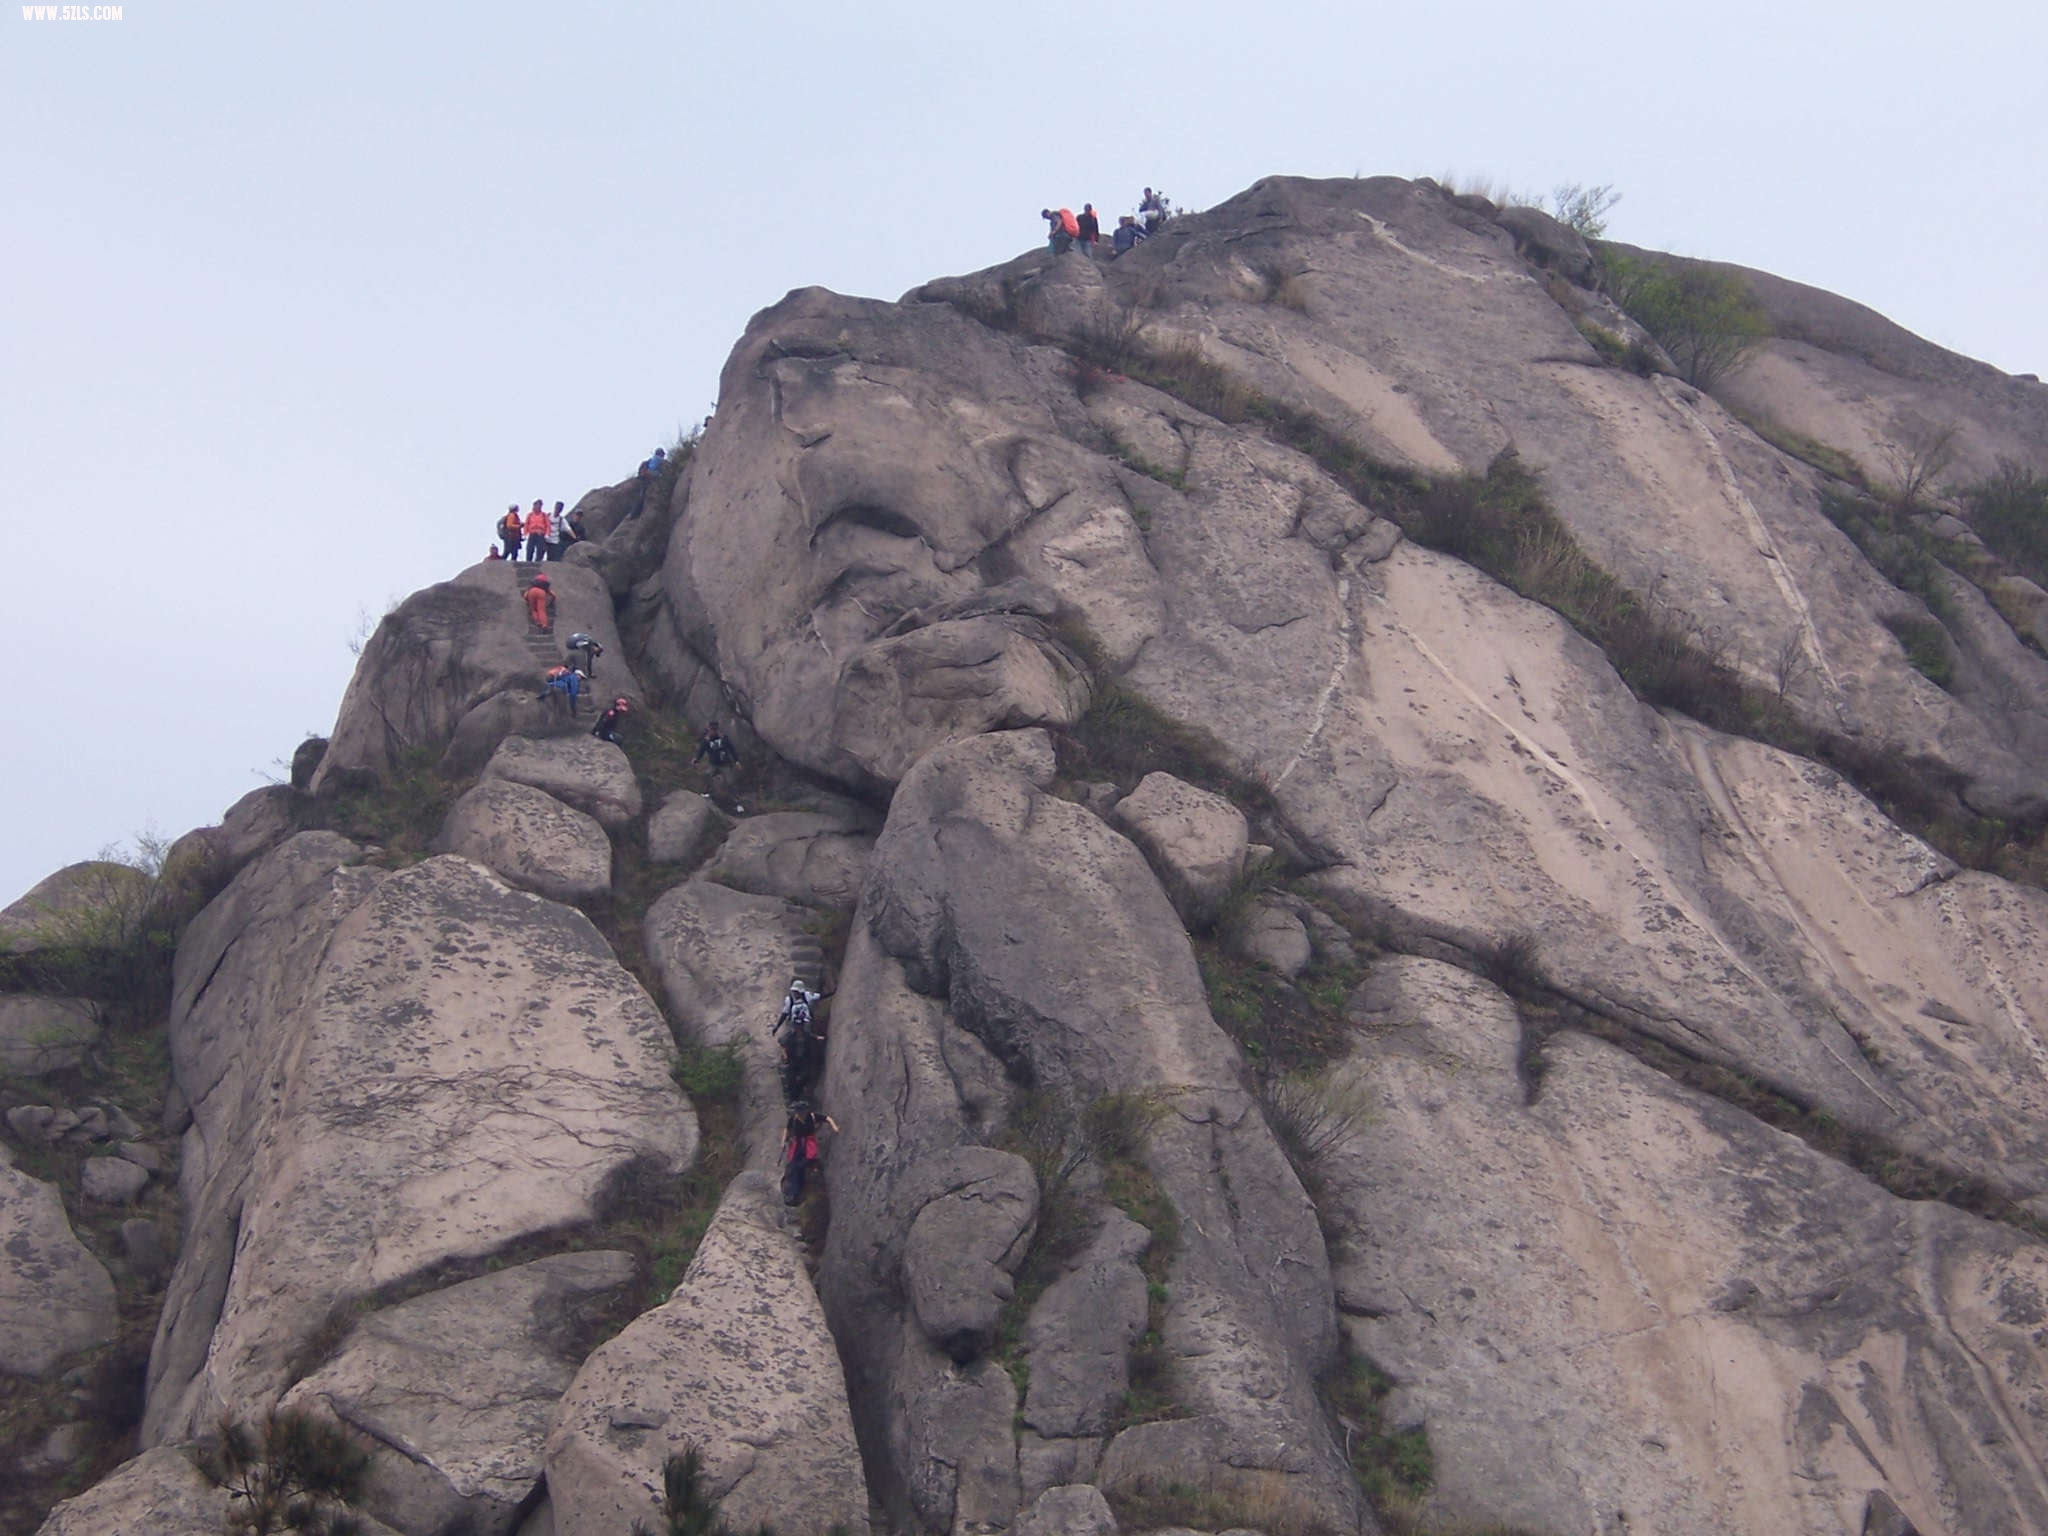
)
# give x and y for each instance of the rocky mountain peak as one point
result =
(1420, 841)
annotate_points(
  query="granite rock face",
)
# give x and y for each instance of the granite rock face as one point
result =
(454, 1390)
(159, 1493)
(386, 1071)
(56, 1299)
(1009, 937)
(1600, 1300)
(738, 1364)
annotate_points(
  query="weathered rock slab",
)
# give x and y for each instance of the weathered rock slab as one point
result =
(1596, 1300)
(532, 839)
(39, 1035)
(455, 1389)
(591, 775)
(55, 1297)
(159, 1493)
(737, 1363)
(386, 1072)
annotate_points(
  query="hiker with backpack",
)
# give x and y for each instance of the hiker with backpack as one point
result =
(511, 528)
(1127, 235)
(1152, 208)
(537, 534)
(540, 604)
(607, 727)
(800, 1148)
(799, 1037)
(1061, 229)
(558, 539)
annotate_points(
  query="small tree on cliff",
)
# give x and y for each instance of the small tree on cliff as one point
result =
(1705, 318)
(298, 1473)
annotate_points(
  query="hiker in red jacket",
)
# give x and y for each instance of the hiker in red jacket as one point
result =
(540, 604)
(537, 533)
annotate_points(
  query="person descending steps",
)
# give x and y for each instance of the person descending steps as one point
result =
(713, 745)
(563, 682)
(591, 649)
(540, 604)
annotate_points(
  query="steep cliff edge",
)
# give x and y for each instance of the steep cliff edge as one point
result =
(1424, 939)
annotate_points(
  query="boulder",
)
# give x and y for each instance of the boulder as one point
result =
(591, 775)
(454, 1389)
(1079, 1335)
(454, 649)
(159, 1493)
(1195, 840)
(738, 1364)
(198, 864)
(798, 855)
(684, 829)
(112, 1180)
(306, 761)
(964, 1244)
(56, 1299)
(1548, 243)
(95, 903)
(40, 1035)
(1273, 935)
(386, 1071)
(531, 838)
(1074, 1510)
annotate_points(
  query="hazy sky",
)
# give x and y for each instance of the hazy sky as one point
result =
(299, 296)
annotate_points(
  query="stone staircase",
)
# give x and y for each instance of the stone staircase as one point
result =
(806, 954)
(546, 649)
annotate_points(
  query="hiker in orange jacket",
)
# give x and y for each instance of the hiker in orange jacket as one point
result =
(509, 530)
(537, 533)
(540, 605)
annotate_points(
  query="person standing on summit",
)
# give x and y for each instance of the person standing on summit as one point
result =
(537, 533)
(1087, 229)
(510, 528)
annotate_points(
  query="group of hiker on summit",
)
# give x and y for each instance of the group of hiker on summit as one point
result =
(547, 535)
(1067, 230)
